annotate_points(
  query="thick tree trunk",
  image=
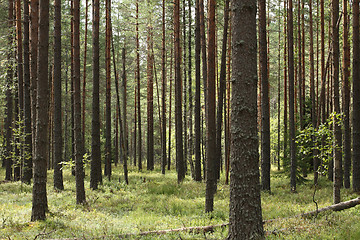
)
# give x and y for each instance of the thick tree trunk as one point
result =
(39, 197)
(84, 73)
(356, 98)
(27, 170)
(184, 85)
(79, 148)
(95, 174)
(58, 141)
(245, 203)
(265, 108)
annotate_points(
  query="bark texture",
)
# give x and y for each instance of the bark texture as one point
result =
(245, 203)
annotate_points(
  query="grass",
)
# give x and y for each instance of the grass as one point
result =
(153, 201)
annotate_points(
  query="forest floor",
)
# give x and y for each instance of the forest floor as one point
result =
(153, 201)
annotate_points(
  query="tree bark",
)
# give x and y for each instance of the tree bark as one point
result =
(245, 203)
(95, 174)
(211, 170)
(58, 141)
(27, 170)
(197, 93)
(163, 92)
(84, 73)
(291, 97)
(346, 97)
(39, 197)
(178, 93)
(356, 98)
(139, 142)
(150, 100)
(265, 108)
(108, 93)
(79, 148)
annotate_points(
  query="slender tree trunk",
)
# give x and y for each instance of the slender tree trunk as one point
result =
(20, 89)
(265, 108)
(346, 97)
(279, 90)
(285, 83)
(170, 98)
(79, 148)
(245, 203)
(291, 97)
(95, 175)
(138, 89)
(58, 141)
(124, 102)
(84, 73)
(227, 126)
(197, 109)
(135, 119)
(27, 170)
(190, 93)
(39, 197)
(356, 98)
(221, 88)
(184, 85)
(211, 170)
(312, 90)
(337, 126)
(150, 100)
(34, 20)
(108, 92)
(9, 97)
(163, 88)
(178, 91)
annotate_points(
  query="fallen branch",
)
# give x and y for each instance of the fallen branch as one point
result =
(336, 207)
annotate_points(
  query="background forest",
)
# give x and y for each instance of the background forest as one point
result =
(124, 118)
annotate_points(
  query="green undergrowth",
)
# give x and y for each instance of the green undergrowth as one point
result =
(153, 201)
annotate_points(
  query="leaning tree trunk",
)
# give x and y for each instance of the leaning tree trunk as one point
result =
(39, 197)
(245, 203)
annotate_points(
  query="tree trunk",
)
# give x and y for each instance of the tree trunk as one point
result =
(265, 108)
(197, 109)
(291, 97)
(84, 72)
(286, 141)
(163, 93)
(184, 85)
(39, 197)
(211, 171)
(124, 102)
(139, 142)
(150, 100)
(95, 175)
(58, 141)
(356, 98)
(178, 92)
(346, 97)
(245, 203)
(27, 170)
(222, 87)
(190, 93)
(79, 148)
(108, 92)
(170, 111)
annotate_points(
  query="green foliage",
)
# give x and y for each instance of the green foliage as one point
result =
(319, 142)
